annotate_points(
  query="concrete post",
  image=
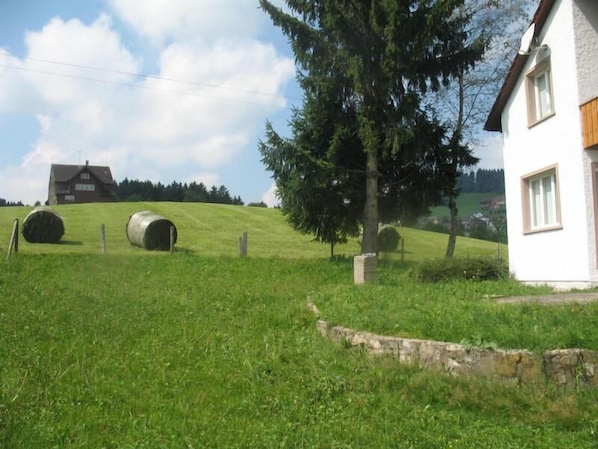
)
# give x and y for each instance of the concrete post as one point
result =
(365, 268)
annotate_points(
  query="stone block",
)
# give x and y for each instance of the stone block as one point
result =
(409, 351)
(530, 369)
(365, 268)
(561, 366)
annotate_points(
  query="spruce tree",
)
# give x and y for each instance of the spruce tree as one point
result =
(382, 54)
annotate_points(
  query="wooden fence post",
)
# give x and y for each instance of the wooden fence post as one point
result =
(243, 244)
(402, 250)
(103, 238)
(16, 232)
(13, 245)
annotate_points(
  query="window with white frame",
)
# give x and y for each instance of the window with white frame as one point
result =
(84, 175)
(541, 201)
(85, 187)
(540, 101)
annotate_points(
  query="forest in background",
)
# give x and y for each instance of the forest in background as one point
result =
(479, 181)
(483, 181)
(135, 190)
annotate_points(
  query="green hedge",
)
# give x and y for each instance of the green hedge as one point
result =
(469, 268)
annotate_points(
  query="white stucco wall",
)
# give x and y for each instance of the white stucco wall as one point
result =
(559, 257)
(585, 17)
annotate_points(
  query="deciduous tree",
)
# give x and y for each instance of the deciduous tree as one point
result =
(464, 103)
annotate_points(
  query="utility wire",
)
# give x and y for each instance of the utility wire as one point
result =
(139, 86)
(141, 75)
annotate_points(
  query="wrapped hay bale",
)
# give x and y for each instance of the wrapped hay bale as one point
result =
(43, 225)
(150, 231)
(388, 238)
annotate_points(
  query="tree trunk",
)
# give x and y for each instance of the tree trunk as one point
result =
(452, 204)
(454, 174)
(369, 244)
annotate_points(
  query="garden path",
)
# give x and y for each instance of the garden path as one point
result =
(552, 299)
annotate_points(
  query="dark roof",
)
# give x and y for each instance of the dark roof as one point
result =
(493, 123)
(64, 173)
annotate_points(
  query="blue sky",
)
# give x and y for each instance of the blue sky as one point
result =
(165, 90)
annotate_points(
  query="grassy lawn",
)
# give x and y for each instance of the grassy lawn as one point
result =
(458, 311)
(203, 349)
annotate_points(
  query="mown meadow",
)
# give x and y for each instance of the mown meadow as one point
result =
(467, 203)
(204, 349)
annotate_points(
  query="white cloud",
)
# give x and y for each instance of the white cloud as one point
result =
(145, 128)
(163, 20)
(270, 196)
(207, 178)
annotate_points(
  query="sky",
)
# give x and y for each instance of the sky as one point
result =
(159, 90)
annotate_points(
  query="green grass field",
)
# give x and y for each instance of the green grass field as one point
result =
(213, 230)
(467, 203)
(204, 349)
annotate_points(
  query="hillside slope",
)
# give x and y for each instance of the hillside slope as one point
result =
(213, 230)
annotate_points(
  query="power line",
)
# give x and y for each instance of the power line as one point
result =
(139, 86)
(139, 75)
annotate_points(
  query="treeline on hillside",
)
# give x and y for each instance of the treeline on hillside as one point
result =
(4, 203)
(135, 190)
(482, 181)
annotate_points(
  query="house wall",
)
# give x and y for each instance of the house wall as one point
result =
(52, 191)
(57, 192)
(559, 257)
(85, 196)
(585, 16)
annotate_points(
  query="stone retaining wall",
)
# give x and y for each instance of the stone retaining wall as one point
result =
(564, 367)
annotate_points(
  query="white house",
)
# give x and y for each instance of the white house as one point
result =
(547, 112)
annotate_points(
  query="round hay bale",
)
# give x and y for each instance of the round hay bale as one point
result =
(388, 238)
(43, 225)
(150, 231)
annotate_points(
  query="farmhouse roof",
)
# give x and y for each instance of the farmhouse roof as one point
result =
(64, 173)
(493, 123)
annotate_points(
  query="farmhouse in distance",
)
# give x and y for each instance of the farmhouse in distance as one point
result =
(70, 184)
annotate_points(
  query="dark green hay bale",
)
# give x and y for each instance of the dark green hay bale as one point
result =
(43, 225)
(150, 231)
(388, 238)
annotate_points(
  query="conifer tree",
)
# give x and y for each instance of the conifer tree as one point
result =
(382, 55)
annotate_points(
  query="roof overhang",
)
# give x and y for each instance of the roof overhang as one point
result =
(494, 122)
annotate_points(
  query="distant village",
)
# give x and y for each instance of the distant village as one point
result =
(482, 210)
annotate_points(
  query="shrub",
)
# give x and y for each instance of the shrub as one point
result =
(471, 268)
(388, 238)
(260, 204)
